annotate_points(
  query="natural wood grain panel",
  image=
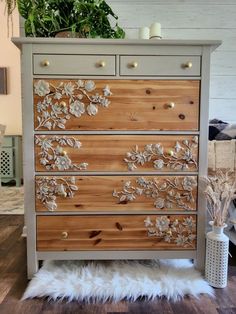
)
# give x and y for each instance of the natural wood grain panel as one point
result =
(95, 193)
(106, 232)
(134, 105)
(108, 152)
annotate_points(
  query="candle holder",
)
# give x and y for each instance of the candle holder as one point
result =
(155, 31)
(156, 37)
(144, 32)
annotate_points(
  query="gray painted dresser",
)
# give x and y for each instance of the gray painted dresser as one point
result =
(115, 140)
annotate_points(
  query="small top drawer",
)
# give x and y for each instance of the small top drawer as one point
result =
(74, 64)
(160, 65)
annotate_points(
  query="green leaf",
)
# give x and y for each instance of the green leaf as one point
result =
(24, 7)
(89, 18)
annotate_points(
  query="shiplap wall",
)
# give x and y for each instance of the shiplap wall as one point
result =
(193, 19)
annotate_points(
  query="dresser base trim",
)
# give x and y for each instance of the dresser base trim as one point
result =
(113, 255)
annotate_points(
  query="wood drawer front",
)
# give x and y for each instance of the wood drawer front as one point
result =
(160, 65)
(74, 64)
(116, 153)
(116, 193)
(119, 232)
(133, 104)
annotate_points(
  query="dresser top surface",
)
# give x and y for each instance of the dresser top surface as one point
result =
(18, 41)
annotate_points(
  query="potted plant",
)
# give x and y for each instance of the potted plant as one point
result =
(79, 18)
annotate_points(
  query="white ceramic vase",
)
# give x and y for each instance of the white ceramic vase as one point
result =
(217, 247)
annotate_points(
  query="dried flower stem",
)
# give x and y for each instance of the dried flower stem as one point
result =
(220, 191)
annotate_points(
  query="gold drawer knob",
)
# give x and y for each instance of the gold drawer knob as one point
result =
(170, 105)
(133, 65)
(101, 64)
(170, 152)
(64, 153)
(62, 104)
(45, 63)
(64, 235)
(188, 65)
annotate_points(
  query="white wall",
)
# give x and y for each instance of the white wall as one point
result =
(193, 19)
(10, 104)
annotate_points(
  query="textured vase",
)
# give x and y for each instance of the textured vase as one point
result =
(217, 247)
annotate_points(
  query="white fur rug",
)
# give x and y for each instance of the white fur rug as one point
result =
(101, 281)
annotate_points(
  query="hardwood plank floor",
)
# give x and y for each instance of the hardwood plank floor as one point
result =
(13, 282)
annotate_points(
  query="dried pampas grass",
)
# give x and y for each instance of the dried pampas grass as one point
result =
(220, 190)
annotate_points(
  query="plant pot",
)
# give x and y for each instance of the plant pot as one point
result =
(68, 34)
(217, 247)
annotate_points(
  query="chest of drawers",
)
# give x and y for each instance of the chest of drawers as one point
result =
(115, 139)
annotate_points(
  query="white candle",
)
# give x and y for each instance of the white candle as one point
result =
(155, 30)
(144, 32)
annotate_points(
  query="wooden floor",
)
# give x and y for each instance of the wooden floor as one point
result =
(13, 283)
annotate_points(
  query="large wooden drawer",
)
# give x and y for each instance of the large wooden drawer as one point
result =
(116, 104)
(160, 65)
(116, 193)
(117, 232)
(116, 153)
(47, 64)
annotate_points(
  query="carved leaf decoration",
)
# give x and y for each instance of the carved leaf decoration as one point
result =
(92, 109)
(180, 157)
(173, 192)
(49, 188)
(52, 152)
(181, 232)
(51, 114)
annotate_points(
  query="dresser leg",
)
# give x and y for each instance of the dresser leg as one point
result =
(32, 268)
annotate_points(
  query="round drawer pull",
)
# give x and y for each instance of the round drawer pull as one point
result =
(133, 65)
(170, 105)
(170, 152)
(45, 63)
(101, 64)
(62, 104)
(64, 153)
(64, 235)
(188, 65)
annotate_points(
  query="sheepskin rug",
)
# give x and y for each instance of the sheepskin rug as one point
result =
(101, 281)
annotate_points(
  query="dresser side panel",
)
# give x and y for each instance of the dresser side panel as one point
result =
(28, 159)
(203, 156)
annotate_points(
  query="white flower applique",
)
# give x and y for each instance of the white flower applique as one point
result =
(57, 104)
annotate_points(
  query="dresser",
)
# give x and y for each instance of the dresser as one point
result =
(115, 140)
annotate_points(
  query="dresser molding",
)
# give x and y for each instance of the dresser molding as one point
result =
(31, 47)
